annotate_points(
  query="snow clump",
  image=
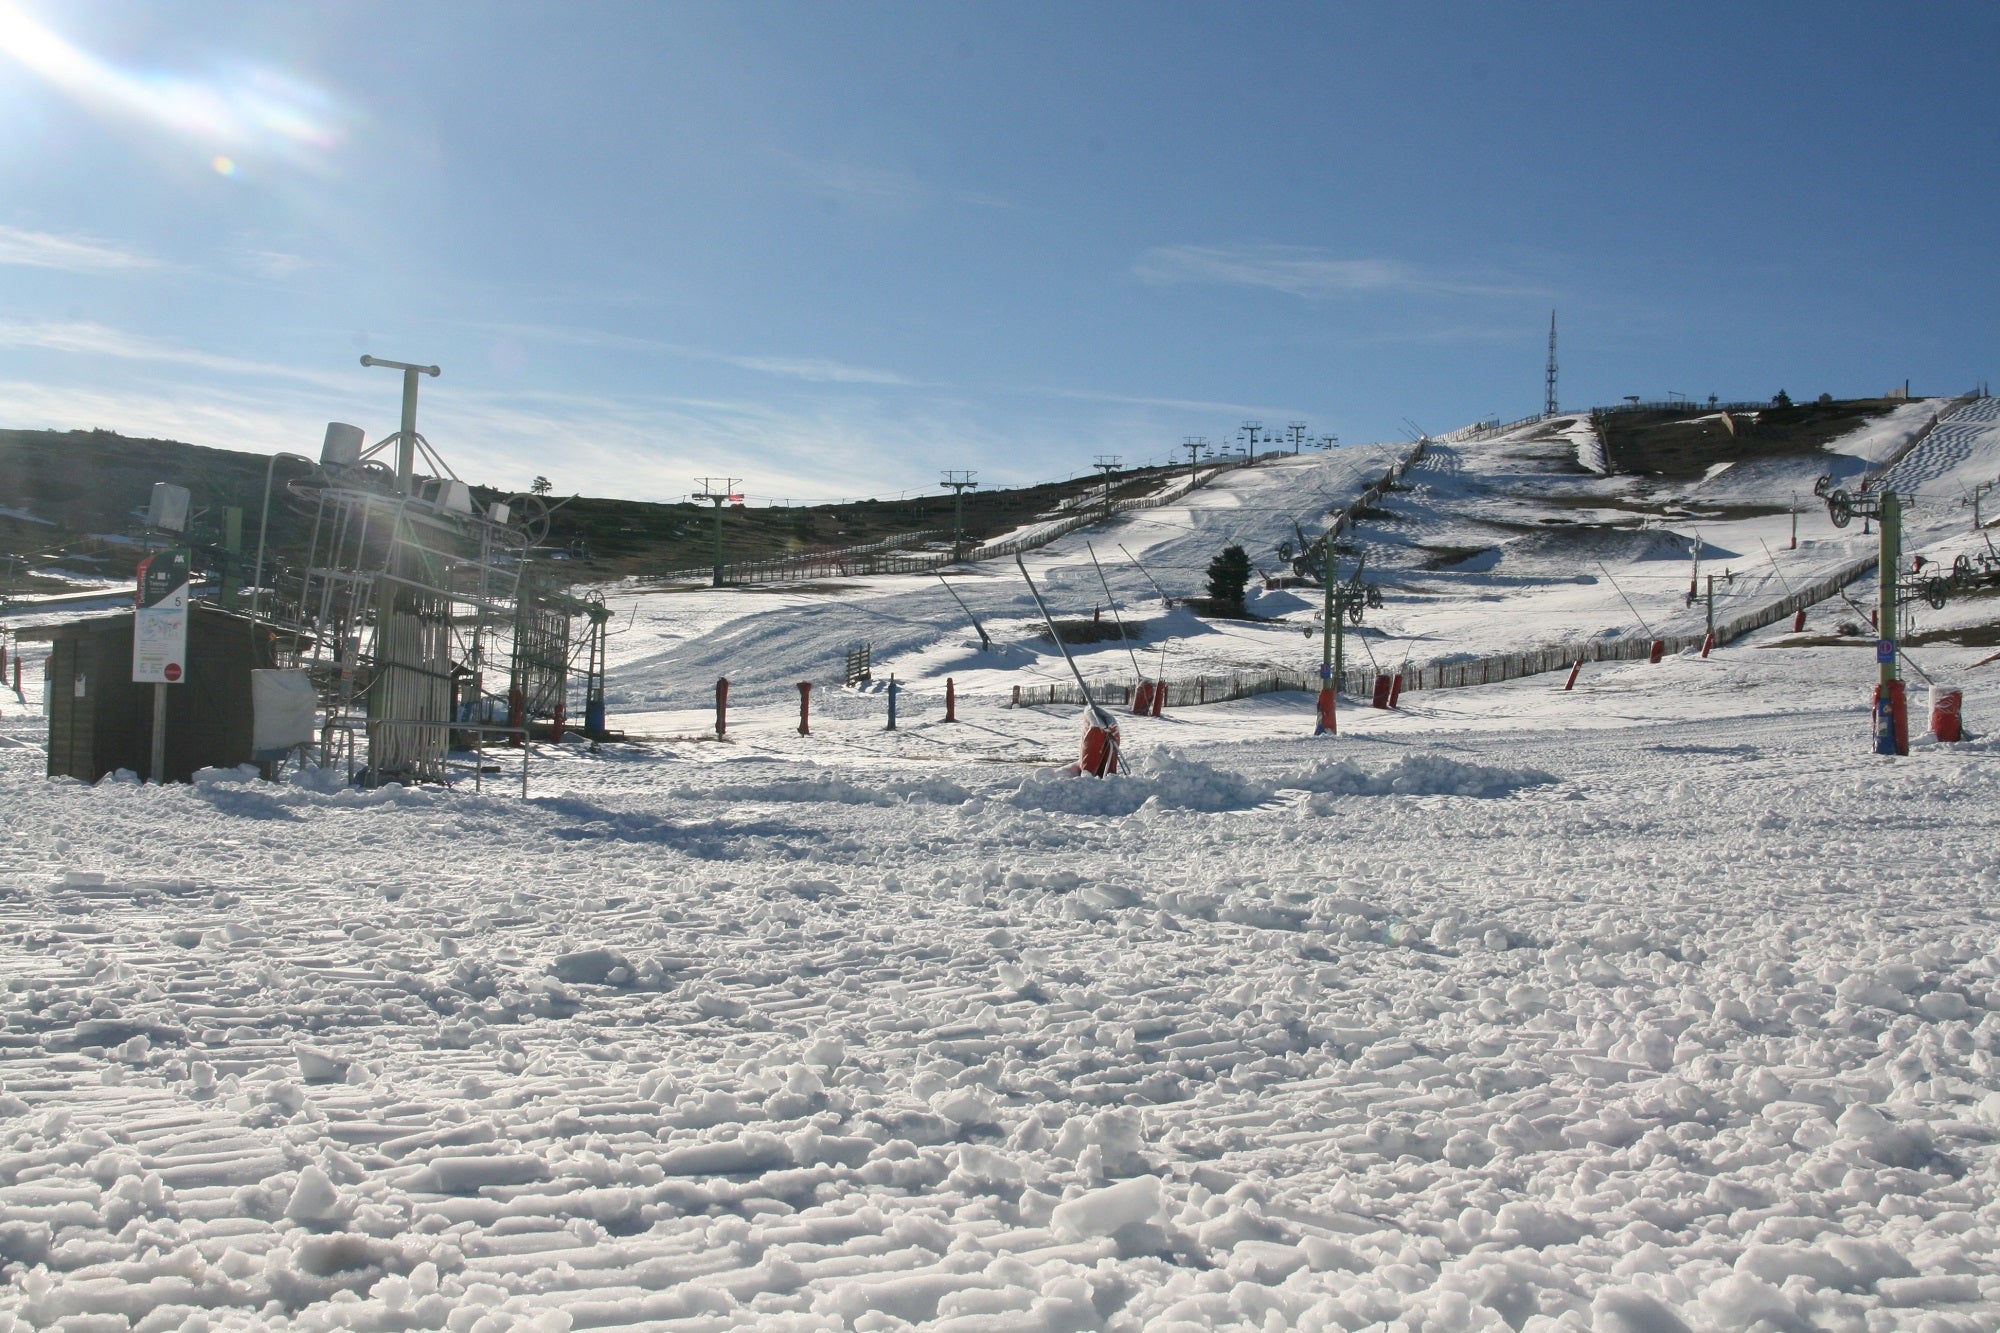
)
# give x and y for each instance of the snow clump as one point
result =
(1415, 775)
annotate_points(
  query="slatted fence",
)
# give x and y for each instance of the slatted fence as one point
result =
(1452, 672)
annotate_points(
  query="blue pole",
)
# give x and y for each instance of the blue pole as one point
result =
(894, 690)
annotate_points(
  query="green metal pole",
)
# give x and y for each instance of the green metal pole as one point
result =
(232, 567)
(958, 524)
(1329, 621)
(1711, 605)
(406, 448)
(718, 543)
(1888, 567)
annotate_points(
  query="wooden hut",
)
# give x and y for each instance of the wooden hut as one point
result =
(100, 721)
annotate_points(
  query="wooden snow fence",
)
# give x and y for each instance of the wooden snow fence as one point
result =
(1186, 691)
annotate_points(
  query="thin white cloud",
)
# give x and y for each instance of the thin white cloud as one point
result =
(876, 187)
(1299, 270)
(816, 370)
(636, 448)
(274, 264)
(83, 338)
(812, 369)
(1171, 404)
(72, 254)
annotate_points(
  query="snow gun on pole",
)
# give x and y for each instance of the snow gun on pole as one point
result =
(1100, 734)
(1165, 600)
(985, 643)
(1116, 619)
(1659, 645)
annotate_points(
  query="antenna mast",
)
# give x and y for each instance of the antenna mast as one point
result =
(1549, 403)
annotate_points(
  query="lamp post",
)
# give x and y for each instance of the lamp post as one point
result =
(264, 528)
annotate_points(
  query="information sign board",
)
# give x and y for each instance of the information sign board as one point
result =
(159, 624)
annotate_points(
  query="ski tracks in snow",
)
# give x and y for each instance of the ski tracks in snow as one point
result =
(1665, 1023)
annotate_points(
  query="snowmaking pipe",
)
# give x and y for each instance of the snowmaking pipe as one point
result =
(985, 643)
(1100, 722)
(1116, 619)
(1627, 600)
(1782, 582)
(1048, 620)
(1165, 600)
(1899, 647)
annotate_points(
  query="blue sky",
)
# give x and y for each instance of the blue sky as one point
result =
(835, 248)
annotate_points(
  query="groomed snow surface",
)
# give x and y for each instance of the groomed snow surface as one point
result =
(1658, 1005)
(1464, 1019)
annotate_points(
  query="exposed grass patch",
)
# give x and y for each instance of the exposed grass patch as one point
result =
(1444, 557)
(1097, 631)
(1965, 636)
(1681, 445)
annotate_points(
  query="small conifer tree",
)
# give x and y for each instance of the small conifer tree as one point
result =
(1228, 574)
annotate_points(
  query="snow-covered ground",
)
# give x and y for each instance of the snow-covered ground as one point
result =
(1660, 1004)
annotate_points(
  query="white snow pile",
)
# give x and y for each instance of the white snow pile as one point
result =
(1169, 779)
(1166, 778)
(830, 787)
(1418, 774)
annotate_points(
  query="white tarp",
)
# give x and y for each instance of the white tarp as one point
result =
(282, 705)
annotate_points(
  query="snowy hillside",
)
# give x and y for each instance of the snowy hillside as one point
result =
(1660, 1004)
(1515, 522)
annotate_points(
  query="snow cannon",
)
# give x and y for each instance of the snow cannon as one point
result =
(1142, 699)
(1100, 744)
(1945, 720)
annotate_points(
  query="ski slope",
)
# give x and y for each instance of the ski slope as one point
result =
(1658, 1004)
(1515, 521)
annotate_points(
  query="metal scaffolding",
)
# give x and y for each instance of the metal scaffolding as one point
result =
(414, 602)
